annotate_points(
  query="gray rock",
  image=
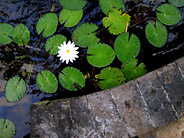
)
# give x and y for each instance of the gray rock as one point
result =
(138, 107)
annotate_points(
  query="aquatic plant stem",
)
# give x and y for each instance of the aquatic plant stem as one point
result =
(148, 18)
(78, 87)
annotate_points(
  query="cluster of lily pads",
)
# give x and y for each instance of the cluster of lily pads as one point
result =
(99, 55)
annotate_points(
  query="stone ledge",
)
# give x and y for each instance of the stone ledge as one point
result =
(134, 108)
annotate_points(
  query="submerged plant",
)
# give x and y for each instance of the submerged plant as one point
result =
(7, 128)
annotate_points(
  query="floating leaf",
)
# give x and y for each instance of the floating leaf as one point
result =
(116, 21)
(47, 23)
(15, 89)
(177, 3)
(84, 35)
(157, 36)
(106, 5)
(168, 14)
(7, 129)
(70, 18)
(127, 48)
(132, 70)
(6, 33)
(53, 43)
(73, 5)
(71, 76)
(21, 35)
(110, 77)
(100, 55)
(47, 81)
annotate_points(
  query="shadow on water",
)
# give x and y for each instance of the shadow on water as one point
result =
(15, 60)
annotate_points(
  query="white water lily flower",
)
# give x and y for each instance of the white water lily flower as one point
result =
(67, 52)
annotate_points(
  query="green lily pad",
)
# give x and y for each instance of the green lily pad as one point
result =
(157, 36)
(168, 14)
(47, 23)
(70, 76)
(15, 89)
(127, 47)
(6, 33)
(132, 70)
(116, 21)
(107, 5)
(53, 43)
(177, 3)
(73, 5)
(21, 35)
(84, 35)
(70, 18)
(7, 129)
(47, 81)
(100, 55)
(110, 77)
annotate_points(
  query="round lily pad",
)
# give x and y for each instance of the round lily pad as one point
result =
(84, 35)
(70, 18)
(21, 35)
(7, 129)
(6, 33)
(168, 14)
(157, 36)
(107, 5)
(47, 23)
(177, 3)
(73, 5)
(127, 47)
(110, 77)
(100, 55)
(71, 76)
(15, 89)
(53, 43)
(47, 81)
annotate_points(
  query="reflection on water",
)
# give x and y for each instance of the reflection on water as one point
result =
(17, 112)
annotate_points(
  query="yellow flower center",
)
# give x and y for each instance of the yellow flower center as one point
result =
(67, 51)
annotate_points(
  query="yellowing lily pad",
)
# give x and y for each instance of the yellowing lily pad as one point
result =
(116, 22)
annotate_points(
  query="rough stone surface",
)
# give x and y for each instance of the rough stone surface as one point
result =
(138, 107)
(172, 130)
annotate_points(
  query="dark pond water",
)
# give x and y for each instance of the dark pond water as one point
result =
(14, 60)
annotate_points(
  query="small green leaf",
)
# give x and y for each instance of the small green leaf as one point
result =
(73, 5)
(84, 35)
(132, 70)
(100, 55)
(177, 3)
(15, 89)
(6, 33)
(7, 128)
(168, 14)
(106, 5)
(47, 23)
(21, 35)
(127, 48)
(116, 21)
(70, 18)
(157, 36)
(53, 43)
(110, 77)
(70, 76)
(47, 81)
